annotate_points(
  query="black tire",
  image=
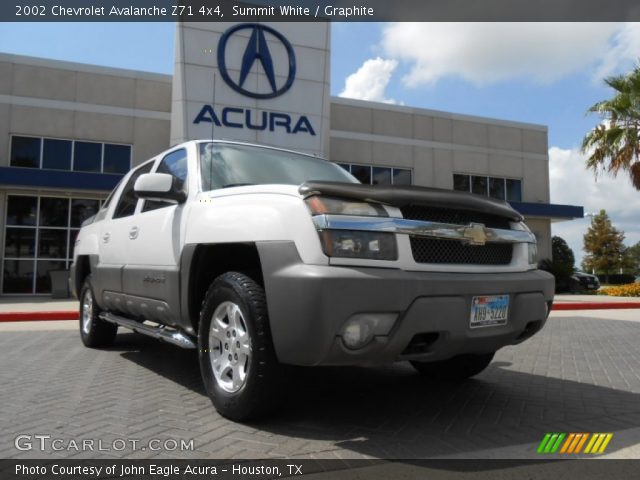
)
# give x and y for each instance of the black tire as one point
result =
(456, 368)
(249, 389)
(94, 332)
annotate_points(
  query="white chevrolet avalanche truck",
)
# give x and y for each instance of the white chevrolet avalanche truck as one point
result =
(260, 257)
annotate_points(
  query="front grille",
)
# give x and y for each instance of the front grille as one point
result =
(429, 250)
(457, 217)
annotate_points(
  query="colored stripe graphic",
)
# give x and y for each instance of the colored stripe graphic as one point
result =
(598, 443)
(570, 438)
(551, 442)
(573, 443)
(543, 443)
(584, 439)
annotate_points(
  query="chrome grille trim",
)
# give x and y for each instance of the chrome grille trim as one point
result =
(474, 234)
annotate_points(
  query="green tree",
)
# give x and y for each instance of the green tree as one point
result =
(632, 254)
(614, 144)
(604, 246)
(561, 264)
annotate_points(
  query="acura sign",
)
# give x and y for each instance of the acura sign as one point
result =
(256, 52)
(257, 49)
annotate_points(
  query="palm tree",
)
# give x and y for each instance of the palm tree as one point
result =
(616, 139)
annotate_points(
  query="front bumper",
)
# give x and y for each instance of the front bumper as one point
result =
(308, 305)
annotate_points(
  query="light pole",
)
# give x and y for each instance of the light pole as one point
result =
(591, 215)
(620, 262)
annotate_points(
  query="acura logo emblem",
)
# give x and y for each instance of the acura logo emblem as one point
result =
(256, 51)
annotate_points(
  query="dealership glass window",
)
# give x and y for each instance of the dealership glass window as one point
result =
(61, 154)
(461, 183)
(514, 190)
(17, 276)
(20, 242)
(381, 176)
(39, 236)
(54, 212)
(52, 243)
(22, 211)
(478, 185)
(81, 209)
(401, 176)
(496, 187)
(56, 154)
(25, 152)
(87, 156)
(117, 158)
(378, 175)
(362, 173)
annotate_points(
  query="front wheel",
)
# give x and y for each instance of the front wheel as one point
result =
(237, 359)
(456, 368)
(94, 331)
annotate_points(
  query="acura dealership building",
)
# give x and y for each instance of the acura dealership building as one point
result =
(68, 132)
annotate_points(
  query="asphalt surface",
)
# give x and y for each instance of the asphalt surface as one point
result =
(580, 374)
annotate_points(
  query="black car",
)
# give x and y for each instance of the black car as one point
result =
(583, 282)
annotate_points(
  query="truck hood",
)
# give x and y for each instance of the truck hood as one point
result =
(254, 189)
(401, 196)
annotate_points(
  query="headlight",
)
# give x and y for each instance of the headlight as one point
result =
(336, 206)
(355, 244)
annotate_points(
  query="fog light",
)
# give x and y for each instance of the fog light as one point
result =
(360, 329)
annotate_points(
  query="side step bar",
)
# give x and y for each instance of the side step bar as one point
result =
(163, 333)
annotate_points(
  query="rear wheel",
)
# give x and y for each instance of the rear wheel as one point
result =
(237, 360)
(456, 368)
(94, 331)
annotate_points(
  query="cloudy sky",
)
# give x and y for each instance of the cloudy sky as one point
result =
(533, 72)
(541, 73)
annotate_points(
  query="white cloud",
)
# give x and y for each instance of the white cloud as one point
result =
(370, 81)
(625, 49)
(571, 183)
(485, 53)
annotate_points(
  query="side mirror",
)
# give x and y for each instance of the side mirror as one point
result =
(159, 186)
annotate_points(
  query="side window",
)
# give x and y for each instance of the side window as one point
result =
(175, 164)
(127, 201)
(107, 202)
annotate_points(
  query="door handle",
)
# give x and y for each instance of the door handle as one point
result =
(133, 233)
(106, 237)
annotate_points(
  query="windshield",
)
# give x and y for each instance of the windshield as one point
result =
(227, 165)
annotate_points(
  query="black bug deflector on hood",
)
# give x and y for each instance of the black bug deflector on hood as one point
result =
(401, 196)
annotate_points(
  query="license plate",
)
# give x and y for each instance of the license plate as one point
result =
(489, 311)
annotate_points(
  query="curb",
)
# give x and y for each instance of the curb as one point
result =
(73, 314)
(595, 305)
(38, 316)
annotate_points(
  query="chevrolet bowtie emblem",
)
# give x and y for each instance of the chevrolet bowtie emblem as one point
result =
(474, 234)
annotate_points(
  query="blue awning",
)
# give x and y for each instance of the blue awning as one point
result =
(549, 210)
(35, 177)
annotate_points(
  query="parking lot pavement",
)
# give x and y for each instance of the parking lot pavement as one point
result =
(580, 374)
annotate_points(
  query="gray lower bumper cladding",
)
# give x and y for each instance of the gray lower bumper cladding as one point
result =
(309, 304)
